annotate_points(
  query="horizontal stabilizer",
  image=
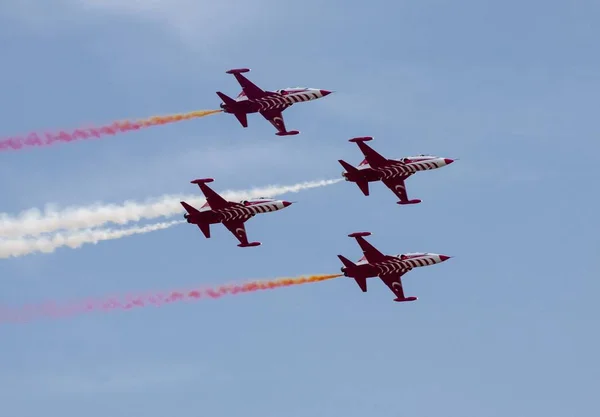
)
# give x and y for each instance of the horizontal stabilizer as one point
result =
(364, 187)
(354, 175)
(359, 234)
(403, 203)
(237, 70)
(401, 300)
(242, 118)
(232, 106)
(205, 228)
(362, 283)
(361, 139)
(249, 244)
(202, 181)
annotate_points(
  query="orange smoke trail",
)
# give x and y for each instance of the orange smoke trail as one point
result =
(30, 312)
(47, 139)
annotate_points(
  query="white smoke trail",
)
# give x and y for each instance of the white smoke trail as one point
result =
(21, 246)
(34, 222)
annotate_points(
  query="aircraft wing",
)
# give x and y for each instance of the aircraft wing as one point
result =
(398, 187)
(375, 159)
(214, 200)
(238, 229)
(394, 283)
(371, 253)
(251, 90)
(275, 118)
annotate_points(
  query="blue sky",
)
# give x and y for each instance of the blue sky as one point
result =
(507, 326)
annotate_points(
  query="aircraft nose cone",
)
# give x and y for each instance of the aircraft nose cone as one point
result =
(325, 92)
(286, 203)
(448, 161)
(444, 257)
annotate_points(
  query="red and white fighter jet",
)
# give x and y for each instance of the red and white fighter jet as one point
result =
(233, 215)
(270, 104)
(387, 267)
(392, 172)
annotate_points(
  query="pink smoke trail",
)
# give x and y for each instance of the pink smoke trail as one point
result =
(46, 139)
(50, 309)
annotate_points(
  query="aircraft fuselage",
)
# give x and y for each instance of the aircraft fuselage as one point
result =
(275, 100)
(395, 264)
(248, 209)
(410, 166)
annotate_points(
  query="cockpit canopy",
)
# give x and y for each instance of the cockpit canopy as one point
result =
(412, 254)
(289, 90)
(407, 159)
(246, 202)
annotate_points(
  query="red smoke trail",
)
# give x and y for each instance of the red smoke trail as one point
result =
(35, 139)
(30, 312)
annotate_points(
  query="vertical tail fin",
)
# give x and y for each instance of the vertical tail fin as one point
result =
(230, 105)
(226, 99)
(191, 210)
(192, 215)
(354, 175)
(349, 168)
(347, 262)
(361, 281)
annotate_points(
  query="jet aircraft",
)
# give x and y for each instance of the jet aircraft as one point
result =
(387, 267)
(232, 214)
(270, 104)
(392, 172)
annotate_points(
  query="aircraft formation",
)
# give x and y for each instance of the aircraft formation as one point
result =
(393, 173)
(233, 215)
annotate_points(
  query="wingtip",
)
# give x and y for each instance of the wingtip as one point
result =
(249, 244)
(361, 139)
(359, 234)
(201, 180)
(237, 70)
(288, 133)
